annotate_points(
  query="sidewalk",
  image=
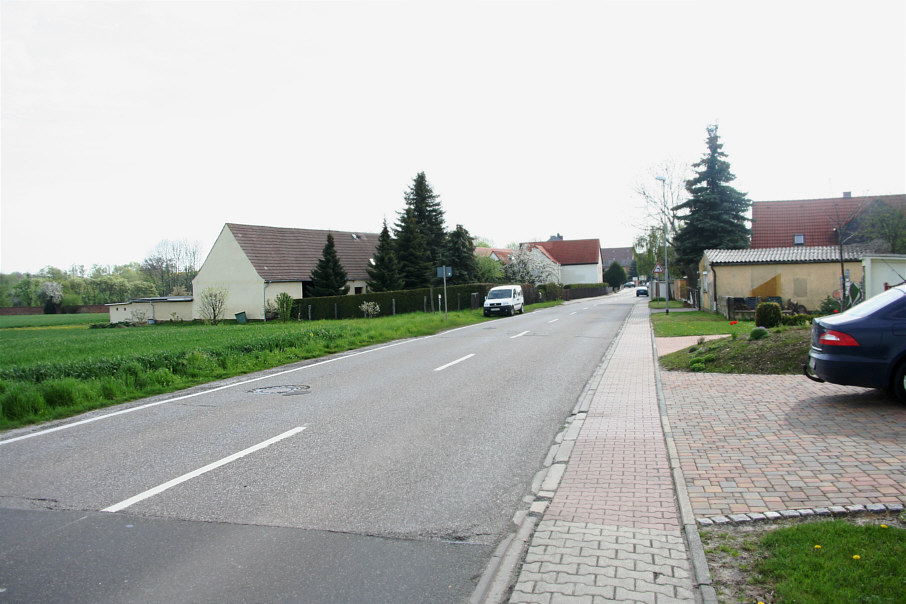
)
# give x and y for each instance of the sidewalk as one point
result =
(649, 457)
(612, 529)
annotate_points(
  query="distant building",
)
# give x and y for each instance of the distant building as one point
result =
(579, 260)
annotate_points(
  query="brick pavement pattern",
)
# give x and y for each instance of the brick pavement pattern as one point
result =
(752, 443)
(612, 529)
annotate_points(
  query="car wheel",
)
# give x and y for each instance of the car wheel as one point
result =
(899, 382)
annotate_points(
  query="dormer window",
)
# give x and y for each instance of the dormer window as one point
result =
(799, 239)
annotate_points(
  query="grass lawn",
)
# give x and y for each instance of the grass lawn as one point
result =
(781, 353)
(696, 323)
(659, 303)
(54, 321)
(856, 559)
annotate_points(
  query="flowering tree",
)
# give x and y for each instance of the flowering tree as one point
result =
(531, 266)
(211, 303)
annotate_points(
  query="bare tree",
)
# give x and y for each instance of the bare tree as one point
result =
(659, 201)
(211, 304)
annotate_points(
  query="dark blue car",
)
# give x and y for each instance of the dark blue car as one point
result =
(863, 346)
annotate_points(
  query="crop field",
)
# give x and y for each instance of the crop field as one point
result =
(60, 368)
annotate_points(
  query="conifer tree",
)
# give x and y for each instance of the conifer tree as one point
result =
(460, 256)
(615, 275)
(329, 277)
(715, 214)
(384, 273)
(415, 264)
(428, 215)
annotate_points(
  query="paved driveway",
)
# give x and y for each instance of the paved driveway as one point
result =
(772, 443)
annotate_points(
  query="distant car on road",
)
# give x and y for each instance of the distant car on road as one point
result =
(629, 284)
(641, 291)
(863, 346)
(504, 300)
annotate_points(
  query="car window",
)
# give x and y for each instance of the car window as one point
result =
(500, 293)
(876, 303)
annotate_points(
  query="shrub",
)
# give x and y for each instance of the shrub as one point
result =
(829, 306)
(370, 309)
(697, 365)
(768, 314)
(284, 306)
(795, 319)
(759, 333)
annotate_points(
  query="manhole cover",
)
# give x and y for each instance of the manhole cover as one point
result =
(285, 390)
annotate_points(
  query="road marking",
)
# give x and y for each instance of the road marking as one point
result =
(553, 320)
(442, 367)
(242, 383)
(211, 466)
(519, 335)
(573, 312)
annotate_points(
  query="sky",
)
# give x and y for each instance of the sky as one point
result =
(128, 123)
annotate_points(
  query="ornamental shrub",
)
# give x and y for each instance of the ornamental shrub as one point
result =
(759, 333)
(768, 314)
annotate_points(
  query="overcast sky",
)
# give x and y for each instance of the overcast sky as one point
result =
(126, 123)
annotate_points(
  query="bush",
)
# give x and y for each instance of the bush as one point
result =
(768, 314)
(284, 306)
(795, 319)
(829, 306)
(759, 333)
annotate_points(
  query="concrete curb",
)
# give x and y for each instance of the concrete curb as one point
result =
(699, 561)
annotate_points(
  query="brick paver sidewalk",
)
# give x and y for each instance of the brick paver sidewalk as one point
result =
(612, 530)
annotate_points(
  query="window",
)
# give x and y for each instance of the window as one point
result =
(799, 239)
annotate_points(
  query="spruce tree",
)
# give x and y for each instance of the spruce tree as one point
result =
(428, 215)
(384, 273)
(615, 276)
(460, 256)
(715, 214)
(416, 267)
(329, 277)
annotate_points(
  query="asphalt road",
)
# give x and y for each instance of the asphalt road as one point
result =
(384, 474)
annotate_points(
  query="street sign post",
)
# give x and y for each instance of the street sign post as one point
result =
(445, 271)
(658, 268)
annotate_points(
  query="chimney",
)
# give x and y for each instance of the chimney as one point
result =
(847, 194)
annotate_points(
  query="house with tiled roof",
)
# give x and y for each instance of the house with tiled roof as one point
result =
(500, 254)
(579, 259)
(811, 222)
(621, 255)
(804, 274)
(256, 263)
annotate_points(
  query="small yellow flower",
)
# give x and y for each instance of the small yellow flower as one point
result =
(817, 547)
(857, 557)
(883, 526)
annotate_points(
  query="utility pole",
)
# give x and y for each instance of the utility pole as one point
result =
(666, 268)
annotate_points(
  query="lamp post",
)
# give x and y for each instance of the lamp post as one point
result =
(666, 268)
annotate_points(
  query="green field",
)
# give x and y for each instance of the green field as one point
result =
(80, 320)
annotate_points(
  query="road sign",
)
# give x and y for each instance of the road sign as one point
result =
(658, 268)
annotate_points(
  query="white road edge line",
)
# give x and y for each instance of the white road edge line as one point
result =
(519, 335)
(553, 320)
(211, 466)
(242, 383)
(442, 367)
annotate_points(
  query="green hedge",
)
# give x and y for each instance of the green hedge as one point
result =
(459, 297)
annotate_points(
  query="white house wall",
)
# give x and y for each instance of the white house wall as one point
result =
(581, 273)
(879, 270)
(228, 267)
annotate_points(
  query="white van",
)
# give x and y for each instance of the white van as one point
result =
(504, 300)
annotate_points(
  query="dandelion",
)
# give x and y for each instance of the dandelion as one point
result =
(883, 526)
(857, 557)
(817, 547)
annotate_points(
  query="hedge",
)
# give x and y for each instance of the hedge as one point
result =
(459, 297)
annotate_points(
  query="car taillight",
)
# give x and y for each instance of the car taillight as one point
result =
(837, 338)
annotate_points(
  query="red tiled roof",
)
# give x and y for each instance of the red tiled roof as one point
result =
(286, 254)
(774, 223)
(579, 251)
(503, 254)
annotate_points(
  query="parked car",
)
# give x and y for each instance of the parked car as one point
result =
(863, 346)
(629, 284)
(641, 291)
(504, 300)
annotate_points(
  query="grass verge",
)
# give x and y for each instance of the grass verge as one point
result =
(860, 559)
(783, 351)
(696, 323)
